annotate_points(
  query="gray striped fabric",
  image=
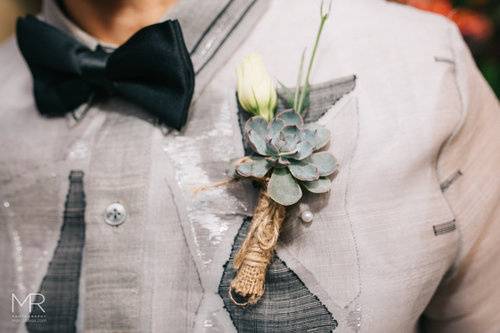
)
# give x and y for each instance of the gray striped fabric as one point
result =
(322, 96)
(61, 283)
(287, 305)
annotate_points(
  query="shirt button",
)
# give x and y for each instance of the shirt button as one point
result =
(115, 214)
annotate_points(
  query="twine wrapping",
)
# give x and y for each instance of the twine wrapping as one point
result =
(256, 252)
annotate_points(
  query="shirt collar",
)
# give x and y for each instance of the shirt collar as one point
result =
(212, 30)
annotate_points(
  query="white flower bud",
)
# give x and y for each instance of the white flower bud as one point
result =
(256, 91)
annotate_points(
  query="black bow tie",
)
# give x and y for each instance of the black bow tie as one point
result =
(152, 69)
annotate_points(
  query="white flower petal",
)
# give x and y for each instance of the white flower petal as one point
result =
(256, 90)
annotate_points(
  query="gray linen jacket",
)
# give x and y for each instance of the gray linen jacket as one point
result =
(406, 241)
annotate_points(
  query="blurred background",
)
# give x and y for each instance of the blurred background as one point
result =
(478, 20)
(10, 10)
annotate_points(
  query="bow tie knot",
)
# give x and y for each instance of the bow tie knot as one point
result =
(93, 68)
(152, 69)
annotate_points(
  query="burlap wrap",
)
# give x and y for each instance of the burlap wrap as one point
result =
(256, 252)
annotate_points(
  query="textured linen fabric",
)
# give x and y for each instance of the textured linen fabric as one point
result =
(468, 299)
(420, 112)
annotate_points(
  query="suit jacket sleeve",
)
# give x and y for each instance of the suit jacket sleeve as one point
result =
(468, 299)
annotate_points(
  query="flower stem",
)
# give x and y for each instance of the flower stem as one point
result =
(305, 89)
(299, 81)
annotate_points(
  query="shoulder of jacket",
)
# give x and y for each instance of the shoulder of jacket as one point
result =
(401, 24)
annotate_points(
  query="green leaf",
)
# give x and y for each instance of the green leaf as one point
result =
(283, 189)
(275, 128)
(325, 162)
(272, 159)
(307, 100)
(321, 136)
(299, 81)
(290, 132)
(258, 143)
(304, 99)
(257, 167)
(256, 131)
(289, 138)
(283, 161)
(290, 118)
(309, 135)
(321, 185)
(304, 171)
(257, 124)
(304, 150)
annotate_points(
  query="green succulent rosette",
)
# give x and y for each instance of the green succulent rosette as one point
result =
(288, 152)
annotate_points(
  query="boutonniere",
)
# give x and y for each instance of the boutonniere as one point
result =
(286, 160)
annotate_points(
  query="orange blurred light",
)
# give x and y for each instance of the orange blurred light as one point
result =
(472, 24)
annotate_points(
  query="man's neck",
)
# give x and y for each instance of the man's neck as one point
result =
(114, 21)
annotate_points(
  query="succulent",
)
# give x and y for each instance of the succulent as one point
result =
(288, 149)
